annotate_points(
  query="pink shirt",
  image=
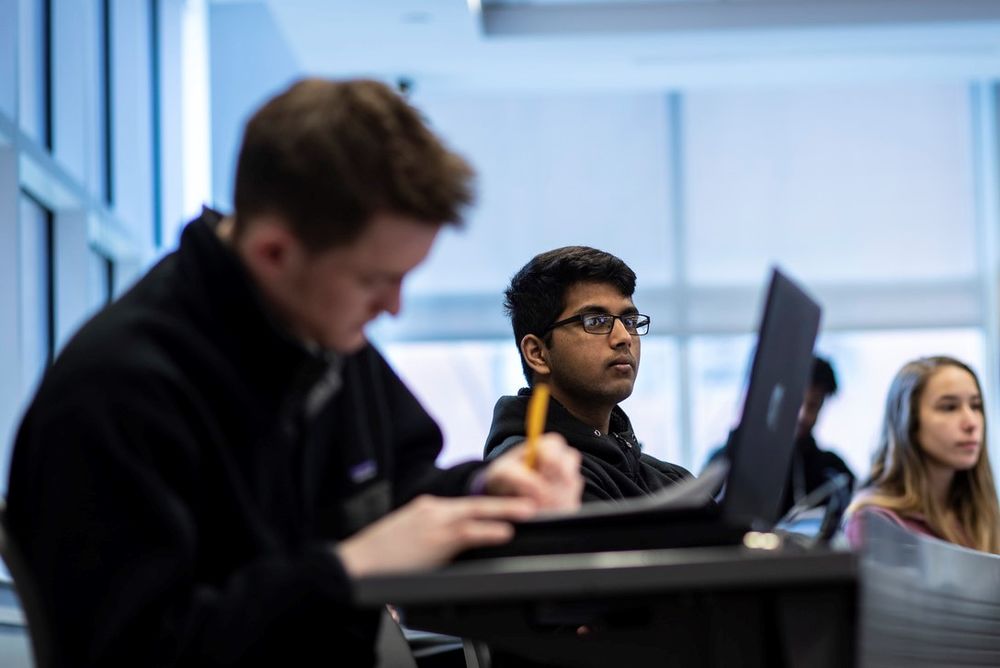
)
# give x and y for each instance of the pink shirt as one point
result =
(853, 525)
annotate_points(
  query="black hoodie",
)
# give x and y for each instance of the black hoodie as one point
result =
(613, 467)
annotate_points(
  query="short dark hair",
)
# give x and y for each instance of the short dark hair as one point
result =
(823, 376)
(537, 293)
(327, 156)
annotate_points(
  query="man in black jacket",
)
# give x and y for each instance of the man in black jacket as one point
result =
(214, 457)
(577, 330)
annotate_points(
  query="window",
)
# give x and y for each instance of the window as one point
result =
(131, 108)
(846, 184)
(720, 367)
(78, 92)
(35, 234)
(584, 169)
(458, 382)
(654, 406)
(34, 113)
(8, 59)
(101, 283)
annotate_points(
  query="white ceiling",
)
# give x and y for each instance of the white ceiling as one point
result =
(562, 44)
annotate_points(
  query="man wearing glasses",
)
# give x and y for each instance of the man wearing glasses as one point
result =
(577, 330)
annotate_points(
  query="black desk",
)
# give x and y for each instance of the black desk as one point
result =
(688, 607)
(907, 600)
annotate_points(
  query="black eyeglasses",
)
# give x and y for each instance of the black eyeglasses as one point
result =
(635, 324)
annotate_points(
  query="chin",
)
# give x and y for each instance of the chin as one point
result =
(347, 345)
(965, 464)
(623, 393)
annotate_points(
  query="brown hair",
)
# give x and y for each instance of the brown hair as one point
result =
(326, 156)
(898, 479)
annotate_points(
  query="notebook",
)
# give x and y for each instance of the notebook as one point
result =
(752, 474)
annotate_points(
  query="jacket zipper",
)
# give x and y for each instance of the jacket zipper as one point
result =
(630, 456)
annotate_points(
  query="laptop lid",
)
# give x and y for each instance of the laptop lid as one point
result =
(760, 451)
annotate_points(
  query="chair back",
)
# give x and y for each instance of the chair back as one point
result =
(391, 647)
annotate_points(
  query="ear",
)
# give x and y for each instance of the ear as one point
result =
(269, 249)
(536, 354)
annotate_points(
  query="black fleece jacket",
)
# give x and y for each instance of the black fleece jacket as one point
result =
(613, 467)
(185, 469)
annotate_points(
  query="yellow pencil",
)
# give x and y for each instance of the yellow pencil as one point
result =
(534, 422)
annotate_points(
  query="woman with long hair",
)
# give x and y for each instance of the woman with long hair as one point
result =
(931, 472)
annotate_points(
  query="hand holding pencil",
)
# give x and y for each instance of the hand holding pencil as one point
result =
(544, 468)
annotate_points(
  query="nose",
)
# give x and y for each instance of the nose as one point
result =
(619, 335)
(392, 301)
(972, 419)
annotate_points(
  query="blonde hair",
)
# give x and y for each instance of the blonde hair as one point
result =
(898, 478)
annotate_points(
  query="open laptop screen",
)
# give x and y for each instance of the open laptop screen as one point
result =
(760, 451)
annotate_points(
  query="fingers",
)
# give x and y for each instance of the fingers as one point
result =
(475, 507)
(478, 533)
(511, 477)
(508, 476)
(557, 459)
(556, 484)
(429, 531)
(469, 522)
(559, 464)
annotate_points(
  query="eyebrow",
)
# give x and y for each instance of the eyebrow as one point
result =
(594, 308)
(958, 397)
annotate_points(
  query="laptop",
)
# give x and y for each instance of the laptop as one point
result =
(752, 474)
